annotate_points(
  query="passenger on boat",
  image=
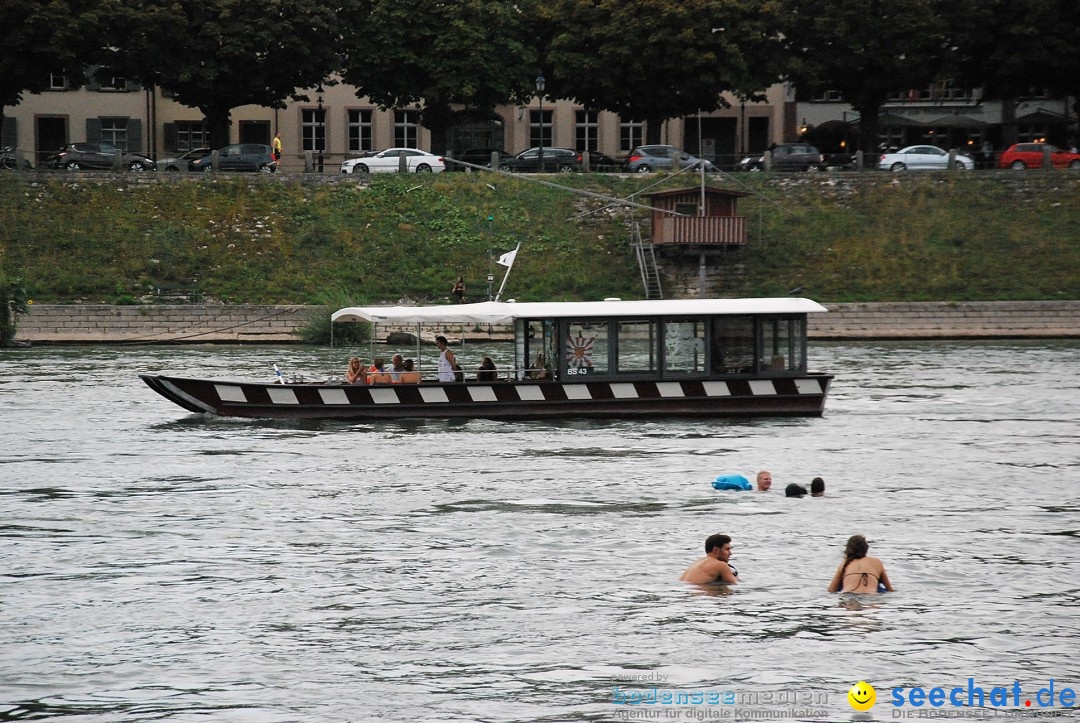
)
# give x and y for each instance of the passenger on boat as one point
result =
(539, 369)
(355, 374)
(409, 375)
(860, 572)
(714, 566)
(817, 487)
(487, 371)
(446, 360)
(397, 366)
(764, 481)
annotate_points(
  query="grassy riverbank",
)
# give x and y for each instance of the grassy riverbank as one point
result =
(995, 236)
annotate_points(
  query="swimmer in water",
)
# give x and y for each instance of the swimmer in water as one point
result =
(860, 572)
(714, 566)
(764, 481)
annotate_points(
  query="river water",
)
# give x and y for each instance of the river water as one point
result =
(159, 565)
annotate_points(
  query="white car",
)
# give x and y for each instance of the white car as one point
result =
(388, 161)
(922, 158)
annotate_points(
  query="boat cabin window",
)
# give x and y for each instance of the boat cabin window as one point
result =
(733, 345)
(585, 349)
(534, 351)
(781, 345)
(636, 347)
(684, 347)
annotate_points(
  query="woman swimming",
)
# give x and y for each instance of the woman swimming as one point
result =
(858, 572)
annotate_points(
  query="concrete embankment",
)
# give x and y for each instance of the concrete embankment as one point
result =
(194, 324)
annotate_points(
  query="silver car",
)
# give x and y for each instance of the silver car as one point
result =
(644, 159)
(922, 158)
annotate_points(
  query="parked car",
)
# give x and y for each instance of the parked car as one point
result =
(644, 159)
(1030, 155)
(183, 163)
(77, 156)
(477, 157)
(604, 163)
(388, 161)
(922, 158)
(563, 160)
(239, 157)
(788, 157)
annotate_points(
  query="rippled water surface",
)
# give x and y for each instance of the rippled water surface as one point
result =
(158, 565)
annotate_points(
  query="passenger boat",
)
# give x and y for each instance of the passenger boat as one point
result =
(572, 360)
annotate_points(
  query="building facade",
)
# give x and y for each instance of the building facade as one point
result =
(336, 124)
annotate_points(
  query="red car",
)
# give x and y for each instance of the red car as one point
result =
(1030, 155)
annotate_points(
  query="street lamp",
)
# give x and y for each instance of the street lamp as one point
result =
(540, 90)
(320, 127)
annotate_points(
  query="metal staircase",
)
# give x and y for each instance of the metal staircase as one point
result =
(646, 258)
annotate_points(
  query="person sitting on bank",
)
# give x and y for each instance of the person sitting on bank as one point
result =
(487, 371)
(714, 566)
(859, 572)
(355, 374)
(447, 361)
(817, 487)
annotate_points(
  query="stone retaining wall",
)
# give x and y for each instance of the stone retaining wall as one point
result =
(193, 323)
(180, 323)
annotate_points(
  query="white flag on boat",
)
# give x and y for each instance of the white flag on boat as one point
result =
(507, 259)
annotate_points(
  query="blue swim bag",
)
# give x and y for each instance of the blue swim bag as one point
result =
(731, 482)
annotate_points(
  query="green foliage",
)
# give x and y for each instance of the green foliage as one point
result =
(655, 59)
(318, 328)
(872, 237)
(216, 56)
(13, 301)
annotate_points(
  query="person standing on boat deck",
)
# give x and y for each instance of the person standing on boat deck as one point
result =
(446, 360)
(396, 367)
(714, 566)
(459, 290)
(857, 569)
(764, 481)
(355, 373)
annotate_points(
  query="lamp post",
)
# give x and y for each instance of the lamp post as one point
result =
(320, 127)
(540, 91)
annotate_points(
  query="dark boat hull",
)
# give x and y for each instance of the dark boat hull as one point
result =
(774, 396)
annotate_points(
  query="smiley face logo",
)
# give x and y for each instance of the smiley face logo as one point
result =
(862, 696)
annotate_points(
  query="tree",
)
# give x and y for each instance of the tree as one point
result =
(470, 53)
(216, 55)
(1011, 47)
(866, 49)
(13, 301)
(652, 60)
(42, 37)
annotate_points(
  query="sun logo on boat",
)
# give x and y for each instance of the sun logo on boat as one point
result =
(579, 352)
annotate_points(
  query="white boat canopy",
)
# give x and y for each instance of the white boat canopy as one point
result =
(505, 312)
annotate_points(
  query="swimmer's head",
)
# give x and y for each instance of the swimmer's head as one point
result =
(713, 542)
(764, 481)
(794, 490)
(817, 487)
(857, 547)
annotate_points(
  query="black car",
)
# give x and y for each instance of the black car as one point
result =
(788, 157)
(240, 157)
(563, 160)
(604, 163)
(79, 156)
(477, 157)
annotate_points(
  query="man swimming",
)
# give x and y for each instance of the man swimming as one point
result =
(714, 566)
(764, 481)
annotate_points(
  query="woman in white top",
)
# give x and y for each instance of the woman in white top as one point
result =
(446, 360)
